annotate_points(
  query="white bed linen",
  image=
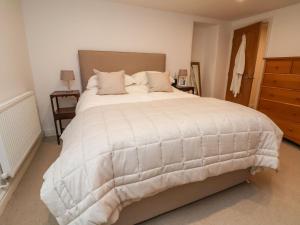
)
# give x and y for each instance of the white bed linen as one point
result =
(137, 93)
(120, 149)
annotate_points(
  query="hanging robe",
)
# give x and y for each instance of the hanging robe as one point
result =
(239, 67)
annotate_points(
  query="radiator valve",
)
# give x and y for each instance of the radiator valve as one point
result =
(4, 176)
(4, 186)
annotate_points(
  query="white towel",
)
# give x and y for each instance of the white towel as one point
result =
(239, 67)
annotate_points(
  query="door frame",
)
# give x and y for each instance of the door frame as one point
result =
(228, 80)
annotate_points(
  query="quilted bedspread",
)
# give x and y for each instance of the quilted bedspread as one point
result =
(114, 155)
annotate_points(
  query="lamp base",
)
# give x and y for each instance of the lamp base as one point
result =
(69, 86)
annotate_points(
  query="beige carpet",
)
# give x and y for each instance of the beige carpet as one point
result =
(272, 198)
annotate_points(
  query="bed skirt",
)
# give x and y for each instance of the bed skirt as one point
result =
(179, 196)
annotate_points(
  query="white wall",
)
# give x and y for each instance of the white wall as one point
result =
(284, 30)
(56, 29)
(198, 53)
(222, 59)
(282, 38)
(204, 50)
(15, 71)
(198, 42)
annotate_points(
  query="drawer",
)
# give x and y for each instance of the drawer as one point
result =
(278, 66)
(290, 81)
(291, 130)
(296, 66)
(280, 110)
(280, 95)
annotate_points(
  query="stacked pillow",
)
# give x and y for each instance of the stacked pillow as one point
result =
(141, 78)
(159, 82)
(115, 83)
(93, 81)
(111, 83)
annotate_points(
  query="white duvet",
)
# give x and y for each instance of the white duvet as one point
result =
(138, 93)
(140, 145)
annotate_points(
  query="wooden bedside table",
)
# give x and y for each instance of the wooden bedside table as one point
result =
(186, 88)
(64, 113)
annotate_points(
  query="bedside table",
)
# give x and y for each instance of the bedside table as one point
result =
(64, 113)
(186, 88)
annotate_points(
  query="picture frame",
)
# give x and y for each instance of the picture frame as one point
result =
(181, 80)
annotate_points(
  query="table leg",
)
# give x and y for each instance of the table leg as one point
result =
(57, 135)
(60, 127)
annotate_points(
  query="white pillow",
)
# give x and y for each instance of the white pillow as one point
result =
(172, 80)
(159, 82)
(141, 77)
(111, 83)
(92, 83)
(129, 80)
(137, 89)
(93, 80)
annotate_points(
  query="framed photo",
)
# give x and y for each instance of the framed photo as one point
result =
(182, 80)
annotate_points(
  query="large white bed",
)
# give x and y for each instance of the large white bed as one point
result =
(148, 147)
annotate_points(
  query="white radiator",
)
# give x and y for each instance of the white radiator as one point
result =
(19, 129)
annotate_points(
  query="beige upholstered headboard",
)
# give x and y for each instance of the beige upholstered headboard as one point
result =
(107, 61)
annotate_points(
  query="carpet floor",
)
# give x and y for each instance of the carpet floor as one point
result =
(270, 199)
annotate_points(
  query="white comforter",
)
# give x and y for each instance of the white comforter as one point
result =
(119, 153)
(139, 93)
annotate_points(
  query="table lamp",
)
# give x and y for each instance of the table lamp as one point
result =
(68, 76)
(182, 77)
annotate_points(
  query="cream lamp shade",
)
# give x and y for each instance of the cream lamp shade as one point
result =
(182, 72)
(68, 76)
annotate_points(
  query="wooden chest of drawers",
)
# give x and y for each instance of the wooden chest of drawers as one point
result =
(280, 95)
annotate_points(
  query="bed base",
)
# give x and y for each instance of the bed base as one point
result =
(179, 196)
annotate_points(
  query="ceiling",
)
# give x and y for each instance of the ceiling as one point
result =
(218, 9)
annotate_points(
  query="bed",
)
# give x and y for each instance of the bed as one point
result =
(128, 158)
